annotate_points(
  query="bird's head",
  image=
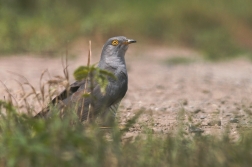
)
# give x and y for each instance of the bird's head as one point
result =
(116, 47)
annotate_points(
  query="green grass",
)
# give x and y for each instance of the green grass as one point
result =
(25, 141)
(218, 28)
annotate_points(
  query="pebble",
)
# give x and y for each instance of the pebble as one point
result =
(183, 102)
(233, 120)
(197, 110)
(129, 108)
(214, 122)
(193, 129)
(163, 109)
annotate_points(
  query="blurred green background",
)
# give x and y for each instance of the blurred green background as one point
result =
(216, 28)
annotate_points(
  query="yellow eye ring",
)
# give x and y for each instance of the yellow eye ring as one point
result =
(114, 42)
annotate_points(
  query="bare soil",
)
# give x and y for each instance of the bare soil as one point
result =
(205, 96)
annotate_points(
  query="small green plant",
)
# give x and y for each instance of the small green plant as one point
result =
(95, 75)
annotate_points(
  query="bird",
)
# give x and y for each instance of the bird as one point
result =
(104, 104)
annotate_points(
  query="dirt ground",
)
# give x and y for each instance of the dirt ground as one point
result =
(206, 96)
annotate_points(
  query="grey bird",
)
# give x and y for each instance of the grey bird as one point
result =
(104, 104)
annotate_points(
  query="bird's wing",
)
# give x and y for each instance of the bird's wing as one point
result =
(69, 92)
(62, 96)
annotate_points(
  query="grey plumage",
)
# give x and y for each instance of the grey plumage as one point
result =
(112, 59)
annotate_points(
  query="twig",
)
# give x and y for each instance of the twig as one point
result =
(66, 74)
(29, 84)
(42, 87)
(85, 87)
(27, 106)
(9, 93)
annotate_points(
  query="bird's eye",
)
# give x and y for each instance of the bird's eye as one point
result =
(114, 42)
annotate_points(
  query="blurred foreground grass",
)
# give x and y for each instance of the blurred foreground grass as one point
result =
(217, 28)
(25, 141)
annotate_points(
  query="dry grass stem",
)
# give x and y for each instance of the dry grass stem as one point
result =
(10, 96)
(85, 87)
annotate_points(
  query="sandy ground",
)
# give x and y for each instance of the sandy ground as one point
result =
(205, 96)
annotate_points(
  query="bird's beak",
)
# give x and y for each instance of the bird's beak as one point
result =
(129, 41)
